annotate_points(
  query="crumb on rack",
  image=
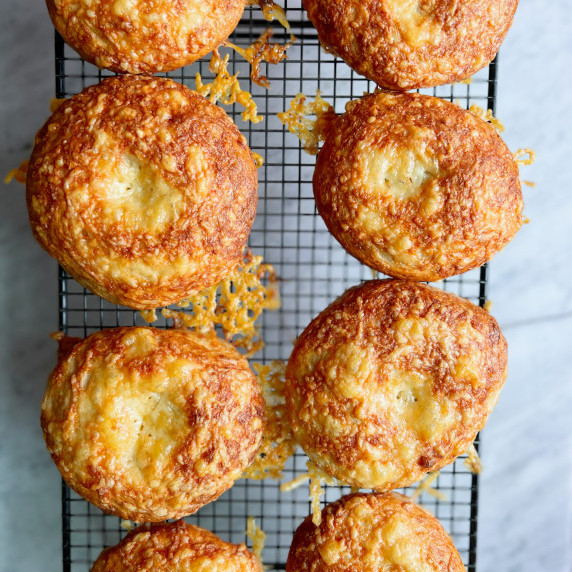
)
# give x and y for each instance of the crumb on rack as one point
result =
(310, 131)
(486, 116)
(488, 306)
(473, 461)
(235, 303)
(258, 160)
(425, 487)
(258, 537)
(529, 183)
(278, 443)
(127, 525)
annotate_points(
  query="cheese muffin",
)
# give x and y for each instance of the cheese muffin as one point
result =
(144, 191)
(175, 546)
(151, 424)
(408, 44)
(142, 36)
(416, 187)
(392, 380)
(373, 532)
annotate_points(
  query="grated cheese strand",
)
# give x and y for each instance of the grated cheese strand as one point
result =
(226, 88)
(149, 316)
(425, 487)
(18, 174)
(310, 132)
(488, 306)
(294, 483)
(486, 116)
(257, 536)
(473, 461)
(278, 443)
(317, 478)
(234, 304)
(529, 183)
(271, 11)
(524, 156)
(262, 50)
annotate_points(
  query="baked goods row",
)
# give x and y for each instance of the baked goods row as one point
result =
(145, 192)
(359, 532)
(399, 44)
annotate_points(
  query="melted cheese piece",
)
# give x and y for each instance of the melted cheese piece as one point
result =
(415, 21)
(397, 171)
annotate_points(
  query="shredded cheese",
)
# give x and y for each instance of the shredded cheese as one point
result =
(263, 51)
(488, 306)
(529, 183)
(149, 316)
(271, 11)
(425, 487)
(235, 303)
(317, 478)
(258, 160)
(127, 525)
(524, 156)
(486, 116)
(278, 443)
(473, 461)
(294, 483)
(310, 132)
(18, 174)
(55, 103)
(226, 88)
(257, 536)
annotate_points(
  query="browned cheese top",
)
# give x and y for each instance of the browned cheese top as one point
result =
(144, 36)
(143, 190)
(416, 187)
(373, 533)
(151, 424)
(407, 44)
(175, 547)
(392, 380)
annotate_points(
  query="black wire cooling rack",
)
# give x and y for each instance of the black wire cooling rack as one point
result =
(314, 269)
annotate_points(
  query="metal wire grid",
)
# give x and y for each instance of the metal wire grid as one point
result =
(314, 270)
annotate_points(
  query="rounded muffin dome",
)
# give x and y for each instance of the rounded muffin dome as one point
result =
(409, 44)
(392, 380)
(370, 533)
(175, 546)
(144, 191)
(151, 424)
(144, 36)
(416, 187)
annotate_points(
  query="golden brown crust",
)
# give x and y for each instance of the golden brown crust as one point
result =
(143, 190)
(392, 380)
(417, 187)
(370, 533)
(152, 424)
(407, 44)
(175, 546)
(142, 36)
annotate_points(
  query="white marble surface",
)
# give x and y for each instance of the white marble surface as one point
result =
(525, 521)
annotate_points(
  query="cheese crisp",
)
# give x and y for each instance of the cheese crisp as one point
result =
(407, 44)
(416, 187)
(142, 190)
(143, 36)
(393, 380)
(175, 546)
(371, 533)
(151, 424)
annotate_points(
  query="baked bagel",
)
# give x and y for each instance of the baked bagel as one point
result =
(416, 187)
(175, 546)
(408, 44)
(392, 380)
(371, 533)
(151, 424)
(142, 36)
(143, 190)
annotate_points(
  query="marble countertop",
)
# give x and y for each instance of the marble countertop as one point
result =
(525, 507)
